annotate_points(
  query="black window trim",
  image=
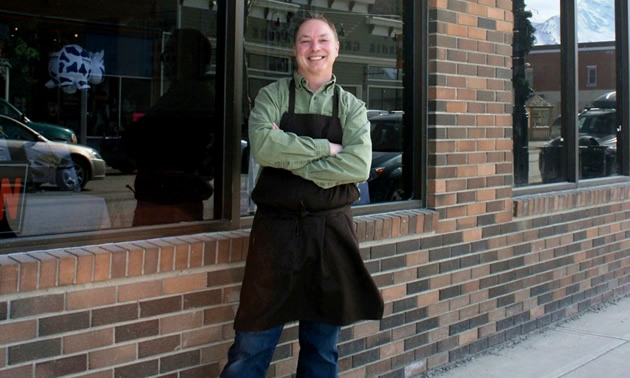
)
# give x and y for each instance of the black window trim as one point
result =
(569, 96)
(229, 80)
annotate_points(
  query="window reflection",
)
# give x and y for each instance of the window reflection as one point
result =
(597, 78)
(539, 131)
(537, 101)
(119, 98)
(370, 65)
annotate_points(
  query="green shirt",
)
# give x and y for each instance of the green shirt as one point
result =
(304, 156)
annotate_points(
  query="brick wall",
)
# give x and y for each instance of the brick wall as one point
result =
(478, 268)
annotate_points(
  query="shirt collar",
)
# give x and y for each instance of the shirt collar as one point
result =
(301, 83)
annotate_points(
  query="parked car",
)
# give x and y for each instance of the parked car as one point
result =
(65, 166)
(48, 130)
(597, 144)
(606, 101)
(386, 174)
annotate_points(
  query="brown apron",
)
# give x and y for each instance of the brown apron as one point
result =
(303, 261)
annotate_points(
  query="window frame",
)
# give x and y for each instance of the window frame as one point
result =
(569, 95)
(230, 58)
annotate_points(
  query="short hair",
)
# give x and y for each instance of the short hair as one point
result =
(314, 16)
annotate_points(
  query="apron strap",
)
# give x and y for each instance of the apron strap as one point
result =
(292, 97)
(335, 112)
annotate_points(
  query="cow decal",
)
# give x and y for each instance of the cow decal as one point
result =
(73, 68)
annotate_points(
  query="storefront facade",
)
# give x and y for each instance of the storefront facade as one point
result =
(475, 228)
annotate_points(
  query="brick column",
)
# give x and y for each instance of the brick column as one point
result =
(470, 106)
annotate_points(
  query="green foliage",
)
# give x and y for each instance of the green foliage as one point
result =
(522, 44)
(23, 59)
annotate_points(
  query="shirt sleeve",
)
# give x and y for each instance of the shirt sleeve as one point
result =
(276, 148)
(352, 164)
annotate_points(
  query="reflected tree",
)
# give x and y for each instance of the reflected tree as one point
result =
(522, 43)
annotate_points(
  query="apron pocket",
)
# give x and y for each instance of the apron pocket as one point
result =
(273, 244)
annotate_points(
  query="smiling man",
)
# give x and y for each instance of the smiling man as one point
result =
(312, 140)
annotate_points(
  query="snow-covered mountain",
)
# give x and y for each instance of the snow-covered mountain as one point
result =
(596, 22)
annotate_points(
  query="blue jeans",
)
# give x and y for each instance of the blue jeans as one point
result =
(252, 351)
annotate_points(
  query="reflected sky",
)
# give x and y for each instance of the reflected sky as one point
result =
(542, 9)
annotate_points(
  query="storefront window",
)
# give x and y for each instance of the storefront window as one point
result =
(541, 137)
(121, 114)
(124, 96)
(537, 93)
(597, 102)
(370, 65)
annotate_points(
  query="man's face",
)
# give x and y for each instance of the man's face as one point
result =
(315, 49)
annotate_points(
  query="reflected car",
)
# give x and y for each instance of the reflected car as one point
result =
(62, 165)
(386, 174)
(48, 130)
(597, 144)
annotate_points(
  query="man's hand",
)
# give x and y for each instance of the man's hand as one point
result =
(335, 148)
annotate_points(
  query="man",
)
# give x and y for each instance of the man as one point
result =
(171, 143)
(312, 140)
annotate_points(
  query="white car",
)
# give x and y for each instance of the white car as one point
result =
(63, 165)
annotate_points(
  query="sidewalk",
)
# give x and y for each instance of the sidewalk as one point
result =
(594, 344)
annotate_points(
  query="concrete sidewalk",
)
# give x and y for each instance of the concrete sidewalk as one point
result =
(593, 344)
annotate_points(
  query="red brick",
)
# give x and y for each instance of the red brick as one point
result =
(47, 270)
(196, 254)
(202, 336)
(141, 290)
(141, 369)
(225, 277)
(62, 366)
(85, 265)
(151, 256)
(119, 260)
(160, 345)
(29, 270)
(115, 314)
(99, 374)
(210, 252)
(136, 261)
(237, 249)
(202, 298)
(179, 361)
(181, 256)
(37, 305)
(216, 352)
(223, 250)
(34, 350)
(102, 264)
(179, 322)
(20, 371)
(112, 356)
(137, 330)
(219, 314)
(90, 298)
(160, 306)
(185, 283)
(231, 294)
(9, 274)
(66, 267)
(167, 258)
(66, 322)
(18, 331)
(88, 340)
